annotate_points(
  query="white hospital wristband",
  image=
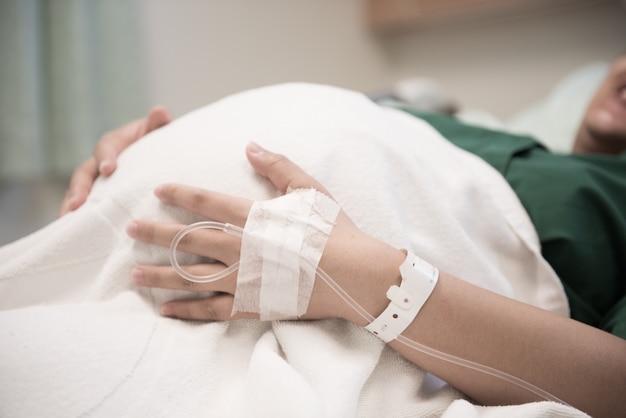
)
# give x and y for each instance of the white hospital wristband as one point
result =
(418, 282)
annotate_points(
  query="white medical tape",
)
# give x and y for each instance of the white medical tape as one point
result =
(419, 279)
(282, 244)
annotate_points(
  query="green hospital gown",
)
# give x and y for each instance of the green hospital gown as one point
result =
(578, 206)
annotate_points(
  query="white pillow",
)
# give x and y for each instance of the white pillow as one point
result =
(554, 120)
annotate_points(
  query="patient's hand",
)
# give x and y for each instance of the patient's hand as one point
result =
(363, 266)
(104, 158)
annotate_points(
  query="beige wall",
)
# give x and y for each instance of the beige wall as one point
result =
(201, 50)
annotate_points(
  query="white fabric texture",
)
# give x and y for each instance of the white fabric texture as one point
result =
(78, 338)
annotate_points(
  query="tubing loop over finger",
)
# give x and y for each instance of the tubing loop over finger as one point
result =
(224, 227)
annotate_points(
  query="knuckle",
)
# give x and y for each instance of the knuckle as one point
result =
(279, 162)
(211, 310)
(84, 174)
(280, 171)
(105, 139)
(188, 284)
(187, 241)
(197, 198)
(146, 232)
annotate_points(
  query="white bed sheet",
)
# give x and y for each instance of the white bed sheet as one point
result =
(77, 338)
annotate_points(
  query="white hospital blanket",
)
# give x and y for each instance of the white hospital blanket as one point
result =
(78, 338)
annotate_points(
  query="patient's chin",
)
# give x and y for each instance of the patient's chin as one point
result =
(607, 141)
(601, 133)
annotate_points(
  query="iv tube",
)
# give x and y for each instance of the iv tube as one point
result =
(237, 231)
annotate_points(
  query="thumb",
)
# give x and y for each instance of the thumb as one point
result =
(283, 173)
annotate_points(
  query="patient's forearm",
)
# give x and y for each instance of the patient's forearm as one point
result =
(581, 365)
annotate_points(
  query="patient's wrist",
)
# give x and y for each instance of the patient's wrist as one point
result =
(369, 286)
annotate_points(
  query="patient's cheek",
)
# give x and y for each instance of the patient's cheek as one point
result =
(606, 117)
(603, 129)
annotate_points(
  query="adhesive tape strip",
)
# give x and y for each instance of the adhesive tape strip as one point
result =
(282, 244)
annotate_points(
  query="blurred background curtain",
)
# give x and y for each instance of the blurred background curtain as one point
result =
(69, 71)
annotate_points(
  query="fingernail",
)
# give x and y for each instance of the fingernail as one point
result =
(255, 148)
(137, 276)
(132, 229)
(166, 310)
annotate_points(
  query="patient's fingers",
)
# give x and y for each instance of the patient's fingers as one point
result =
(219, 307)
(211, 243)
(114, 142)
(212, 205)
(80, 186)
(104, 158)
(213, 308)
(283, 173)
(165, 277)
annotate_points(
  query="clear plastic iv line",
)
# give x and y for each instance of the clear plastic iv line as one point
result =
(237, 231)
(224, 227)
